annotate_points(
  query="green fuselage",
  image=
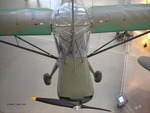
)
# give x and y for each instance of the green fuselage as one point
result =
(75, 85)
(71, 28)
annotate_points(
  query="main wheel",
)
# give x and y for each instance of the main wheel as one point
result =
(97, 76)
(47, 79)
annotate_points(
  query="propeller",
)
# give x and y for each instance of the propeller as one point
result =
(64, 103)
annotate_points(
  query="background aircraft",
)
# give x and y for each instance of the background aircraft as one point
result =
(93, 30)
(145, 62)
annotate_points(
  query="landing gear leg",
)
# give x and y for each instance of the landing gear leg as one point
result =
(47, 78)
(97, 74)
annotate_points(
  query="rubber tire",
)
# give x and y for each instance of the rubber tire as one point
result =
(46, 79)
(97, 76)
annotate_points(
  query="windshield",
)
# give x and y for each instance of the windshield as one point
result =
(62, 29)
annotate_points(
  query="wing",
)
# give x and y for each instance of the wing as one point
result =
(31, 21)
(121, 18)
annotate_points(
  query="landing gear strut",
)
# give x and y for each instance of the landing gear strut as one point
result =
(97, 75)
(47, 78)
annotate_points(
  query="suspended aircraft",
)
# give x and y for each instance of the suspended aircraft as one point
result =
(72, 25)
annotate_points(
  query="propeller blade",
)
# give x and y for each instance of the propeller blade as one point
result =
(64, 103)
(56, 102)
(89, 107)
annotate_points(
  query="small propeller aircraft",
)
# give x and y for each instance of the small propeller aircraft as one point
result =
(71, 25)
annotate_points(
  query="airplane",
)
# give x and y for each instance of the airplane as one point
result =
(72, 25)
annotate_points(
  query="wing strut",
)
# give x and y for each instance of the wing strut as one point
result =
(104, 45)
(31, 50)
(31, 44)
(127, 40)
